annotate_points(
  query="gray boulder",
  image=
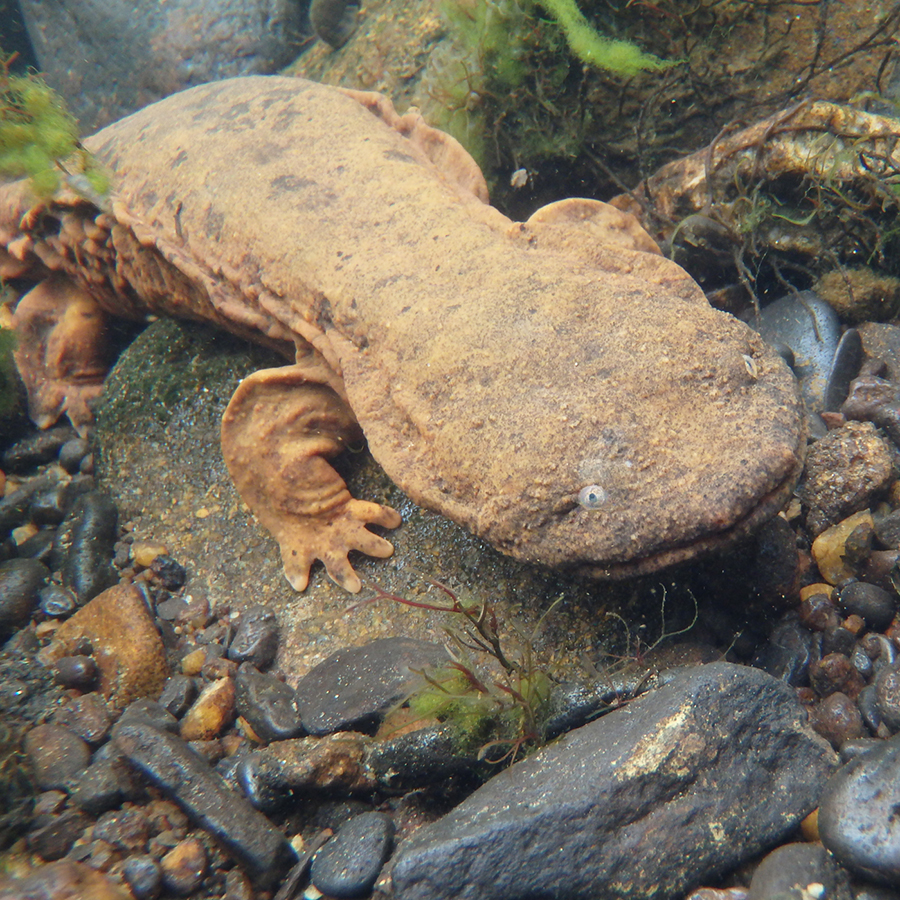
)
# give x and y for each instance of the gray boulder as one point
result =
(109, 58)
(679, 785)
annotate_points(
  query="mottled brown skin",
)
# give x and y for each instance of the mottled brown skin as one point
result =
(574, 401)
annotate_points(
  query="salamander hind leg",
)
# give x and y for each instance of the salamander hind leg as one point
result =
(278, 433)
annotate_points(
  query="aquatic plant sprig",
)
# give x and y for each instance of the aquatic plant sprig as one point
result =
(489, 712)
(622, 58)
(496, 82)
(39, 139)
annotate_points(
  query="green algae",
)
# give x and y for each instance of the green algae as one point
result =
(9, 394)
(499, 80)
(499, 715)
(39, 140)
(622, 58)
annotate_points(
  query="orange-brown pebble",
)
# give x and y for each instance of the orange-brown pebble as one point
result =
(212, 711)
(127, 648)
(144, 552)
(184, 866)
(192, 663)
(893, 630)
(818, 588)
(62, 880)
(24, 532)
(828, 548)
(45, 629)
(247, 730)
(809, 827)
(894, 493)
(231, 743)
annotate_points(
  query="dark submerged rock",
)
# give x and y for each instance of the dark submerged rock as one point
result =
(52, 836)
(49, 507)
(56, 602)
(353, 688)
(789, 873)
(858, 819)
(39, 546)
(87, 567)
(788, 652)
(14, 505)
(269, 705)
(838, 719)
(838, 640)
(867, 701)
(75, 671)
(36, 449)
(845, 469)
(57, 755)
(79, 43)
(168, 572)
(256, 638)
(334, 21)
(144, 876)
(20, 581)
(106, 782)
(872, 603)
(421, 758)
(177, 695)
(887, 696)
(700, 774)
(148, 712)
(348, 865)
(89, 716)
(183, 776)
(72, 453)
(334, 763)
(811, 329)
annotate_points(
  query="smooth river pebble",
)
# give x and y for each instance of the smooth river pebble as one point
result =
(858, 819)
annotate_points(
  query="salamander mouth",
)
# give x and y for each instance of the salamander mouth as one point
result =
(769, 506)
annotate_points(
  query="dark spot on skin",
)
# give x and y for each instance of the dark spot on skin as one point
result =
(322, 312)
(235, 111)
(389, 280)
(265, 154)
(182, 157)
(285, 183)
(314, 194)
(397, 156)
(213, 223)
(283, 121)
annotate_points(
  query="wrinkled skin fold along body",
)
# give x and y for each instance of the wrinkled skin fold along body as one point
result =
(571, 399)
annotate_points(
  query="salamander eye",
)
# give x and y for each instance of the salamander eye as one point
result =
(592, 496)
